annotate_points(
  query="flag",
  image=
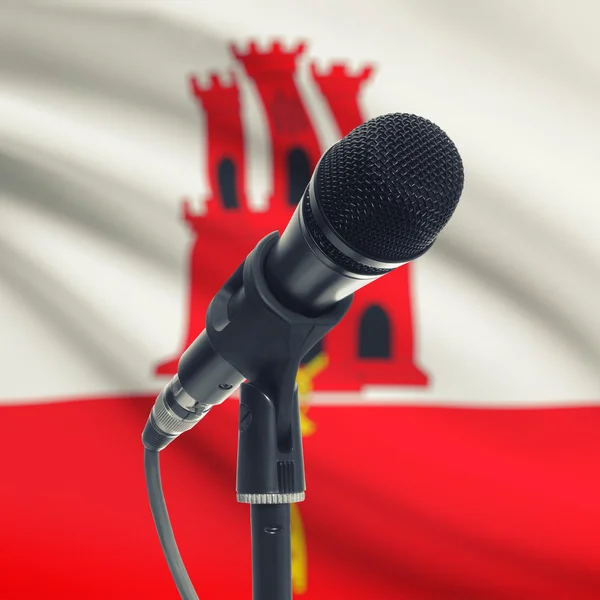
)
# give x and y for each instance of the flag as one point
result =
(449, 421)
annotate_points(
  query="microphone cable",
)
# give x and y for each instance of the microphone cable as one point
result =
(164, 529)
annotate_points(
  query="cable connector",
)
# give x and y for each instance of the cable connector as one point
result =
(173, 413)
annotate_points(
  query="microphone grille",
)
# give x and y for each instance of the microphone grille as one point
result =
(388, 188)
(339, 258)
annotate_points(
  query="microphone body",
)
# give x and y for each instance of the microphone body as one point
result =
(377, 199)
(302, 275)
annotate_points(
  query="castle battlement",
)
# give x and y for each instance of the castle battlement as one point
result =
(339, 73)
(272, 59)
(216, 90)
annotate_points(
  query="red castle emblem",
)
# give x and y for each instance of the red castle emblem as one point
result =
(374, 344)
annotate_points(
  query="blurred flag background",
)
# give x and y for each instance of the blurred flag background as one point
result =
(145, 147)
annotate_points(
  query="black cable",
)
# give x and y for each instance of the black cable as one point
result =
(163, 526)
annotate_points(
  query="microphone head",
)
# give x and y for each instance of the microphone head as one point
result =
(383, 193)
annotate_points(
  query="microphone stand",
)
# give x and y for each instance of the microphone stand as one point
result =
(265, 341)
(276, 477)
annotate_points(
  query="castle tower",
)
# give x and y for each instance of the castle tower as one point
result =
(226, 165)
(374, 342)
(341, 88)
(226, 171)
(294, 144)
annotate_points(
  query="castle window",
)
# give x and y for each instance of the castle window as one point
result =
(299, 175)
(374, 334)
(226, 177)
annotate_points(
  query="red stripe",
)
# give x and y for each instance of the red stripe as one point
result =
(419, 503)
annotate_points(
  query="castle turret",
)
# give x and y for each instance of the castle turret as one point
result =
(341, 88)
(294, 144)
(226, 172)
(226, 163)
(374, 342)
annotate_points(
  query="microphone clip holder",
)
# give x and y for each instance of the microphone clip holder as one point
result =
(265, 341)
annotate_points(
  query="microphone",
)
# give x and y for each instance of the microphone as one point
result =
(377, 199)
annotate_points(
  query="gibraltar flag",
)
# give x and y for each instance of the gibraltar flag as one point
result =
(451, 422)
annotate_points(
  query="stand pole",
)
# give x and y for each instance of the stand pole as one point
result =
(270, 477)
(271, 552)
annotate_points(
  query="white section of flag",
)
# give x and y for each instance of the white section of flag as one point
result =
(93, 286)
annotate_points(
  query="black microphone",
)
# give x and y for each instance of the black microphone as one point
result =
(377, 199)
